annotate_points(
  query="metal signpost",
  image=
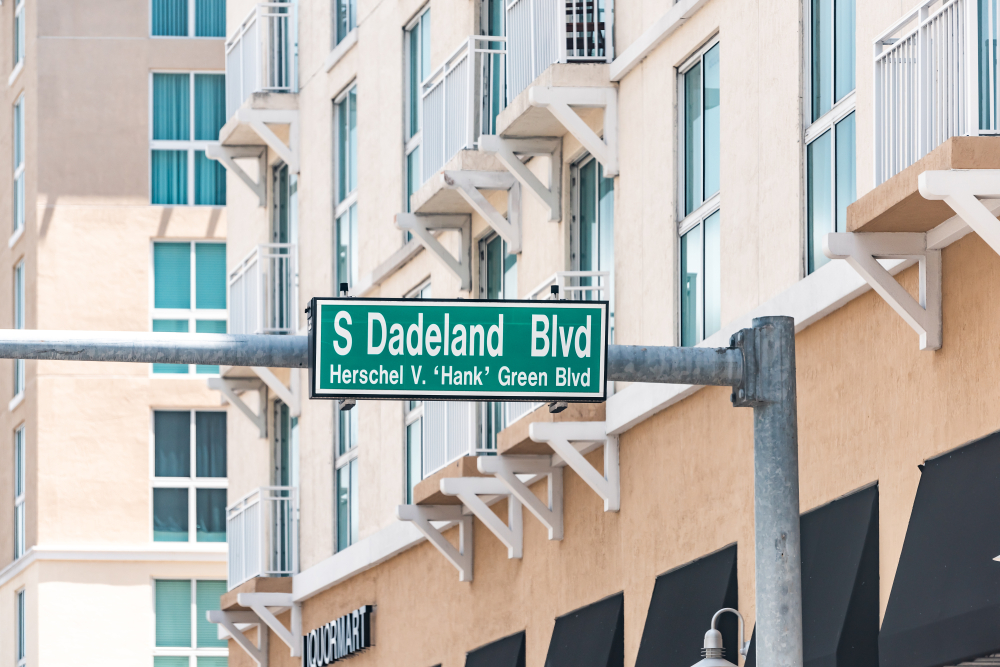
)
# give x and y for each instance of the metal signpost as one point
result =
(759, 365)
(458, 349)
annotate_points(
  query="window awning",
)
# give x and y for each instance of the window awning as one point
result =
(944, 607)
(506, 652)
(839, 583)
(681, 609)
(593, 636)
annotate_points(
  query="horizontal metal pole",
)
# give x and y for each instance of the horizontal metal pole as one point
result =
(719, 366)
(156, 348)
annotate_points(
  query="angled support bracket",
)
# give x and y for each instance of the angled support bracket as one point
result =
(863, 250)
(469, 183)
(421, 517)
(260, 603)
(560, 436)
(259, 120)
(559, 99)
(288, 395)
(508, 150)
(423, 226)
(507, 468)
(229, 389)
(229, 619)
(228, 155)
(469, 490)
(963, 190)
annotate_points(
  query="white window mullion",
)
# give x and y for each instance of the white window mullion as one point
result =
(194, 616)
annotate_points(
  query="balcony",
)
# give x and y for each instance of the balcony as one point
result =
(262, 529)
(575, 286)
(263, 294)
(260, 55)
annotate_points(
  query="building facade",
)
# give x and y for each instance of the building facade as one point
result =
(113, 475)
(696, 164)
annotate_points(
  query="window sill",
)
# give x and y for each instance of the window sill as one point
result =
(340, 50)
(15, 237)
(13, 75)
(706, 208)
(16, 401)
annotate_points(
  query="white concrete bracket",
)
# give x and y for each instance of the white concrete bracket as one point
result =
(288, 395)
(261, 603)
(560, 436)
(423, 226)
(559, 99)
(469, 183)
(259, 120)
(229, 389)
(228, 155)
(507, 469)
(507, 151)
(421, 517)
(863, 250)
(469, 490)
(229, 619)
(962, 191)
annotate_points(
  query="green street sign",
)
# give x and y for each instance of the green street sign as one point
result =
(458, 349)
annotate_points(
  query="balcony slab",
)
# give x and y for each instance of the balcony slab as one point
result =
(255, 585)
(428, 491)
(238, 133)
(521, 119)
(896, 205)
(514, 439)
(436, 197)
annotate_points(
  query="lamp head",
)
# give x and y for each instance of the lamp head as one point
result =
(713, 651)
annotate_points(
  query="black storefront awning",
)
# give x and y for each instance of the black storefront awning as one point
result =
(681, 609)
(593, 636)
(506, 652)
(839, 583)
(944, 607)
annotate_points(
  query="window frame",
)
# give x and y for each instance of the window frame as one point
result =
(191, 27)
(189, 145)
(192, 483)
(341, 462)
(412, 140)
(193, 314)
(695, 219)
(21, 627)
(20, 295)
(20, 484)
(694, 59)
(19, 212)
(342, 206)
(20, 35)
(192, 653)
(352, 20)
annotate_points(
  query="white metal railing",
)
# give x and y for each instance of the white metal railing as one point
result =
(459, 100)
(575, 286)
(515, 410)
(543, 32)
(935, 78)
(262, 532)
(260, 55)
(263, 294)
(449, 433)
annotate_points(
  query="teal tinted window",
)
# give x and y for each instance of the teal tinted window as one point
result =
(170, 18)
(347, 145)
(208, 593)
(346, 18)
(347, 430)
(170, 326)
(210, 18)
(209, 181)
(210, 275)
(171, 107)
(691, 279)
(347, 505)
(170, 515)
(172, 443)
(170, 661)
(209, 326)
(209, 105)
(173, 613)
(211, 515)
(169, 170)
(210, 444)
(172, 275)
(832, 32)
(713, 273)
(347, 247)
(702, 143)
(692, 139)
(819, 197)
(847, 178)
(712, 143)
(414, 456)
(212, 661)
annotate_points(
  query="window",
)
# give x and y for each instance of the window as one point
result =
(184, 636)
(347, 478)
(346, 112)
(701, 288)
(699, 104)
(497, 280)
(189, 293)
(345, 17)
(18, 33)
(19, 165)
(188, 109)
(831, 177)
(417, 47)
(189, 476)
(19, 488)
(592, 234)
(21, 641)
(19, 379)
(413, 420)
(188, 18)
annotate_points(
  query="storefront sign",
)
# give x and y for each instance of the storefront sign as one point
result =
(459, 350)
(338, 639)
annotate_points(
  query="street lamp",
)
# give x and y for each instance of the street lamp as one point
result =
(713, 644)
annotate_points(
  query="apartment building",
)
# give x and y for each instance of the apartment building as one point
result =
(113, 476)
(696, 164)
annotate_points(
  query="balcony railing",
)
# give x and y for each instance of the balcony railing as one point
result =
(576, 286)
(935, 78)
(260, 55)
(454, 429)
(262, 529)
(262, 291)
(543, 32)
(460, 100)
